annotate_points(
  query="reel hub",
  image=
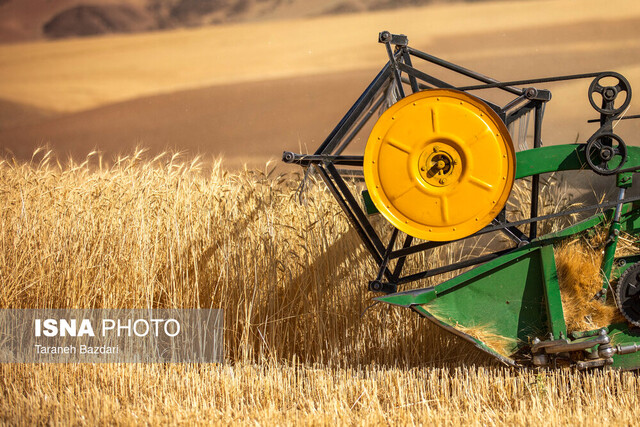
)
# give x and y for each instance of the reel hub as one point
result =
(439, 164)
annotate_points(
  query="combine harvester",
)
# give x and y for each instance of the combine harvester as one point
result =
(439, 165)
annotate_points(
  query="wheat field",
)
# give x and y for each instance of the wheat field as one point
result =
(303, 343)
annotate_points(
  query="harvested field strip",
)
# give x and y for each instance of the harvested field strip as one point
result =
(284, 394)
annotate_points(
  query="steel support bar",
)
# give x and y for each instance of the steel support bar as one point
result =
(360, 125)
(354, 112)
(405, 251)
(407, 60)
(396, 72)
(421, 85)
(350, 216)
(517, 236)
(606, 205)
(502, 85)
(351, 173)
(409, 250)
(535, 179)
(417, 248)
(452, 267)
(462, 70)
(385, 258)
(397, 271)
(424, 76)
(357, 212)
(515, 101)
(309, 159)
(635, 116)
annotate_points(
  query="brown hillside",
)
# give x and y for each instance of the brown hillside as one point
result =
(93, 20)
(32, 19)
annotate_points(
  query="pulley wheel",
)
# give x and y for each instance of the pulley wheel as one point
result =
(439, 164)
(606, 153)
(609, 93)
(629, 294)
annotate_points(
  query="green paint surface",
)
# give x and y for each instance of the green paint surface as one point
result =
(517, 295)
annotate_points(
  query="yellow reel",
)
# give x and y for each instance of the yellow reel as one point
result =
(439, 164)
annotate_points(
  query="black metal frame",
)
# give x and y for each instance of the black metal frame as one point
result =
(398, 70)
